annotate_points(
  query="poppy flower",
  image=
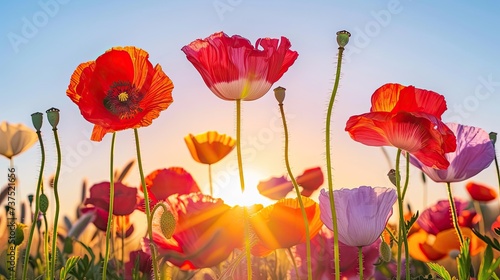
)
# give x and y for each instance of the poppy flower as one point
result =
(125, 198)
(362, 213)
(480, 192)
(234, 69)
(280, 225)
(209, 147)
(407, 118)
(495, 224)
(15, 139)
(474, 153)
(162, 183)
(140, 262)
(124, 228)
(275, 188)
(322, 258)
(206, 232)
(437, 236)
(119, 90)
(310, 180)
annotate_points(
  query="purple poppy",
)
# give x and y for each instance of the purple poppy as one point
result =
(474, 153)
(362, 213)
(275, 188)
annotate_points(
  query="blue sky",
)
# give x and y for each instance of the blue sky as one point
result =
(450, 47)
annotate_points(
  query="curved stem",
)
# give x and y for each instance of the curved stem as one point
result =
(56, 197)
(336, 252)
(407, 176)
(146, 205)
(360, 259)
(111, 203)
(37, 207)
(299, 196)
(242, 183)
(454, 214)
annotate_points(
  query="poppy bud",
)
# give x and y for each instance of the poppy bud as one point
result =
(53, 116)
(37, 119)
(493, 137)
(343, 38)
(19, 234)
(30, 198)
(167, 224)
(279, 93)
(44, 203)
(385, 252)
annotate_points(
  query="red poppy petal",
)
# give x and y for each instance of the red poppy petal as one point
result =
(384, 99)
(413, 99)
(112, 66)
(365, 129)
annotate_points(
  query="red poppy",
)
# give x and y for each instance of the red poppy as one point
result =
(480, 192)
(234, 69)
(206, 232)
(162, 183)
(280, 225)
(275, 188)
(139, 261)
(407, 118)
(310, 180)
(119, 90)
(125, 198)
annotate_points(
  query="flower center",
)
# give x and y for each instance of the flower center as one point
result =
(122, 100)
(123, 97)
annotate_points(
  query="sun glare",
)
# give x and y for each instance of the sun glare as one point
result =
(233, 196)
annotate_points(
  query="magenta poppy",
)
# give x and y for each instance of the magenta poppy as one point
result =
(310, 180)
(275, 188)
(474, 153)
(234, 69)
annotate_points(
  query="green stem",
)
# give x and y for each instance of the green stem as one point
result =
(146, 205)
(242, 183)
(46, 247)
(37, 207)
(497, 169)
(299, 197)
(407, 176)
(293, 262)
(360, 259)
(477, 206)
(336, 252)
(123, 244)
(389, 231)
(402, 238)
(111, 203)
(454, 214)
(210, 179)
(56, 197)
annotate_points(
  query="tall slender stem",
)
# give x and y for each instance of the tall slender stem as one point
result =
(454, 214)
(242, 183)
(37, 207)
(123, 243)
(402, 238)
(146, 205)
(111, 203)
(210, 179)
(293, 262)
(46, 246)
(56, 197)
(360, 260)
(299, 196)
(336, 252)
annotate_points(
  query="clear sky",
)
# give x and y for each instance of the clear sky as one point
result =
(451, 47)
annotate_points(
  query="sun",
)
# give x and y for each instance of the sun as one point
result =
(233, 196)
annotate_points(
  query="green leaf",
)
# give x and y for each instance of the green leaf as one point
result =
(410, 223)
(464, 261)
(440, 270)
(484, 269)
(70, 263)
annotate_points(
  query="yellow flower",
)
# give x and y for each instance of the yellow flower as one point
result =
(15, 139)
(209, 147)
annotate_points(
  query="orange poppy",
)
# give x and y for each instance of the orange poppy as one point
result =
(280, 225)
(209, 147)
(427, 247)
(119, 90)
(480, 192)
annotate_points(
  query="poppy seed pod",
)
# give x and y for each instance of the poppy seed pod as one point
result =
(53, 117)
(279, 93)
(343, 38)
(37, 119)
(493, 137)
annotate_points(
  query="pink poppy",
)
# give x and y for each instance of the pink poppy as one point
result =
(310, 180)
(275, 188)
(362, 213)
(234, 69)
(474, 153)
(407, 118)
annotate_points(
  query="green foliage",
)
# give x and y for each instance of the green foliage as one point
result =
(412, 221)
(492, 242)
(464, 262)
(440, 270)
(70, 264)
(488, 265)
